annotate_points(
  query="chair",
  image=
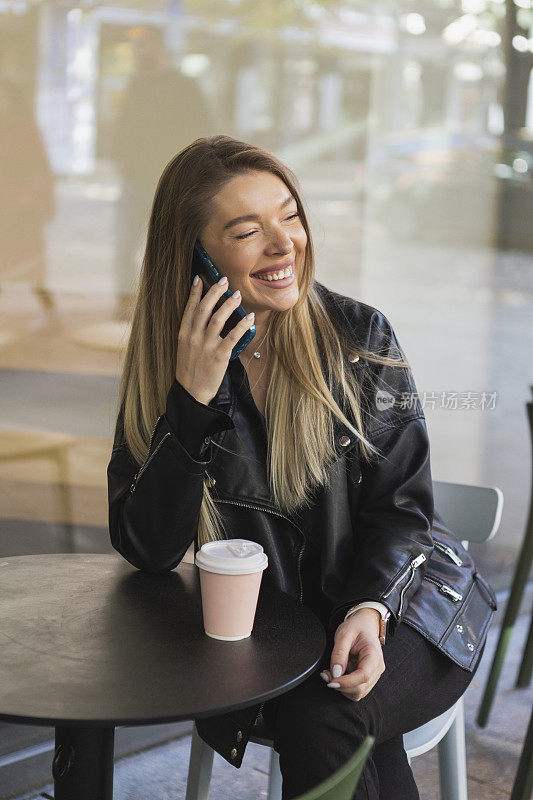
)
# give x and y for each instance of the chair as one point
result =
(25, 443)
(523, 782)
(473, 513)
(341, 785)
(520, 578)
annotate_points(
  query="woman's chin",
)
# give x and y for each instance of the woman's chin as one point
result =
(276, 299)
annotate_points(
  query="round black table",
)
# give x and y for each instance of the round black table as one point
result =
(88, 642)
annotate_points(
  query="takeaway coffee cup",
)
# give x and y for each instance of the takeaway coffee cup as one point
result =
(230, 577)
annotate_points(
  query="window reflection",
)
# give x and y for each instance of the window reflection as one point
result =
(410, 127)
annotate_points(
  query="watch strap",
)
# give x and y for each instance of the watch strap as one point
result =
(384, 613)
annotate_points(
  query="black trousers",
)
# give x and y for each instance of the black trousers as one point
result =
(316, 729)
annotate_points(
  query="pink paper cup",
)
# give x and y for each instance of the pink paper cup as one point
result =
(231, 571)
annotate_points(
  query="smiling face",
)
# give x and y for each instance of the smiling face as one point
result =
(270, 240)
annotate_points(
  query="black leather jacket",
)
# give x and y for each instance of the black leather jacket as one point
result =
(373, 534)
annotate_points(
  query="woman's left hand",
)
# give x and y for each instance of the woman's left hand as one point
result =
(356, 656)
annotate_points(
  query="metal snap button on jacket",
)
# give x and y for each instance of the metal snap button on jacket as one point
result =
(239, 736)
(344, 440)
(234, 753)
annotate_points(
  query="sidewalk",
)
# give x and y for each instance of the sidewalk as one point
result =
(160, 773)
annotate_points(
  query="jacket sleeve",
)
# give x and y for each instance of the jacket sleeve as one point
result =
(154, 507)
(392, 516)
(193, 422)
(378, 606)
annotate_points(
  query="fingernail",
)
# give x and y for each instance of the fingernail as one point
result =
(250, 315)
(324, 676)
(334, 686)
(195, 281)
(336, 671)
(236, 294)
(223, 279)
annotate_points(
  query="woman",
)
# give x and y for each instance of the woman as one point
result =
(313, 443)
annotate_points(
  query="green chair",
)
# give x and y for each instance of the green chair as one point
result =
(341, 785)
(520, 578)
(523, 782)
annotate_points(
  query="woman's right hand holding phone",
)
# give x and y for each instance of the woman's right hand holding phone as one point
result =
(203, 355)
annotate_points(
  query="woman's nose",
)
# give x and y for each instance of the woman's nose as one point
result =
(280, 242)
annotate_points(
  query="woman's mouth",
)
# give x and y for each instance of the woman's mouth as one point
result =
(277, 279)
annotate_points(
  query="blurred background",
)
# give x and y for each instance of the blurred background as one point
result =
(410, 126)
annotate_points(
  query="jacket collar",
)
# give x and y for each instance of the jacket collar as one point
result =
(343, 438)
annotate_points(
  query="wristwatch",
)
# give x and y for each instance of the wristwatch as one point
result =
(383, 626)
(383, 612)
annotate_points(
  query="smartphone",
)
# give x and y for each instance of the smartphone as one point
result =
(202, 265)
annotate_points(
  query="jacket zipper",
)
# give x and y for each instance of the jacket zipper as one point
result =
(412, 565)
(149, 458)
(415, 563)
(300, 555)
(449, 552)
(278, 514)
(445, 589)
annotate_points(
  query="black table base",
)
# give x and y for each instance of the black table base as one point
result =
(83, 763)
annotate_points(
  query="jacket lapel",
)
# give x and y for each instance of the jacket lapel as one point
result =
(241, 473)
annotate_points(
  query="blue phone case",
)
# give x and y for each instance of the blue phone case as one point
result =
(203, 265)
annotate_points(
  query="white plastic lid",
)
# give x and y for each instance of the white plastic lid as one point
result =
(231, 557)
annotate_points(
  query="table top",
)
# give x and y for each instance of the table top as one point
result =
(87, 639)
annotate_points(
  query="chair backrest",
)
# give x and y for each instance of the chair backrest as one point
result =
(472, 513)
(341, 785)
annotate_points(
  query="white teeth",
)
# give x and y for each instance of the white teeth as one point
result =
(276, 276)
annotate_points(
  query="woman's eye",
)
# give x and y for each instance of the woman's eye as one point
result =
(246, 235)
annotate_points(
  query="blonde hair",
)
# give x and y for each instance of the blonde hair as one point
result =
(309, 352)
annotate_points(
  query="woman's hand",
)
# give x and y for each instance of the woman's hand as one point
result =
(203, 355)
(356, 656)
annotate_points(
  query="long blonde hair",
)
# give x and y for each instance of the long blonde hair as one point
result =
(310, 353)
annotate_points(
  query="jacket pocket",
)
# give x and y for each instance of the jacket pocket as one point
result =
(487, 589)
(444, 588)
(447, 551)
(464, 638)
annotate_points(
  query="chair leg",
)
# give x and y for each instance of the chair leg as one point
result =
(65, 500)
(526, 667)
(200, 768)
(523, 783)
(452, 759)
(274, 777)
